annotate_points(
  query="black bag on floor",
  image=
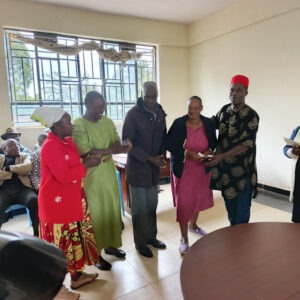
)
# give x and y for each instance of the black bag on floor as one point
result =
(29, 267)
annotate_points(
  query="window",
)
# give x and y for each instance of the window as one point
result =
(38, 77)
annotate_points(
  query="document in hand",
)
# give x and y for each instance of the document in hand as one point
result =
(291, 142)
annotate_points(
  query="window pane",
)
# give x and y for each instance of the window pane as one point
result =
(40, 77)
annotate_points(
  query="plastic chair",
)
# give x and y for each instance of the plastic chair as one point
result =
(20, 206)
(121, 192)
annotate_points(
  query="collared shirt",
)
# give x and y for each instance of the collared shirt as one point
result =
(14, 181)
(236, 128)
(153, 112)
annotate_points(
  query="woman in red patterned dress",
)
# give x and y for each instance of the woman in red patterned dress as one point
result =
(63, 212)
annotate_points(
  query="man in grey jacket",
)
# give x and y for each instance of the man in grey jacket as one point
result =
(145, 127)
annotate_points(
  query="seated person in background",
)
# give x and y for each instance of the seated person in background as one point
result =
(35, 174)
(15, 186)
(37, 145)
(11, 133)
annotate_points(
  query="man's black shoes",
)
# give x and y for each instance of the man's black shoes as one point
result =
(157, 244)
(144, 250)
(115, 251)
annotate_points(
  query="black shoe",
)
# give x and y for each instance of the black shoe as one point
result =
(157, 244)
(115, 251)
(144, 250)
(103, 264)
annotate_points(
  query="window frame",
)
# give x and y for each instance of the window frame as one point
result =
(120, 92)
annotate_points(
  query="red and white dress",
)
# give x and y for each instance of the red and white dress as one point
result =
(63, 211)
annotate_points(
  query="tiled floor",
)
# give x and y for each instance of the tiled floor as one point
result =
(138, 277)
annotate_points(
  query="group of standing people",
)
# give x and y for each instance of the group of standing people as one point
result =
(199, 161)
(78, 202)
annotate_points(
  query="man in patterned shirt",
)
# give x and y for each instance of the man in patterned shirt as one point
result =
(234, 167)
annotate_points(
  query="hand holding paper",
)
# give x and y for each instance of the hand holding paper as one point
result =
(291, 142)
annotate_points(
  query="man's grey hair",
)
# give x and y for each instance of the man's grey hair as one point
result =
(149, 85)
(4, 143)
(41, 137)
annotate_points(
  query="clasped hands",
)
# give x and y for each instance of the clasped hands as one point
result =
(209, 158)
(121, 147)
(192, 155)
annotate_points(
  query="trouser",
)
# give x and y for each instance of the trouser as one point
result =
(296, 194)
(238, 209)
(143, 210)
(20, 195)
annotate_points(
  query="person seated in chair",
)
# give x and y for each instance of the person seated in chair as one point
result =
(35, 174)
(15, 185)
(11, 133)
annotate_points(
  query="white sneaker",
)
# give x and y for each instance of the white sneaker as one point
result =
(184, 247)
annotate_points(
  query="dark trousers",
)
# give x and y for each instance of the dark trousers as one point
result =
(20, 194)
(296, 195)
(143, 210)
(238, 209)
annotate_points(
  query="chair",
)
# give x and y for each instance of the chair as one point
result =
(20, 206)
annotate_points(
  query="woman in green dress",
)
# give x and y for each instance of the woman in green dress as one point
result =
(94, 133)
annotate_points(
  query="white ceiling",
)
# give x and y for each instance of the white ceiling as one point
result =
(181, 11)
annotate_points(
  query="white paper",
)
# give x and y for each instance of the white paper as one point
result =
(291, 142)
(201, 155)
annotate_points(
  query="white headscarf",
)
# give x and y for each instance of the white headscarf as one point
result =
(47, 115)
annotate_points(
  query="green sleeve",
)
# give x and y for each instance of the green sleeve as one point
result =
(80, 137)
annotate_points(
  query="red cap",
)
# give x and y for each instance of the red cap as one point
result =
(241, 79)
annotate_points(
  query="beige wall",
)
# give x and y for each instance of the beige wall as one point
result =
(259, 39)
(174, 74)
(170, 38)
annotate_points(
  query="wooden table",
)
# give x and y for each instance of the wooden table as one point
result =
(247, 261)
(120, 163)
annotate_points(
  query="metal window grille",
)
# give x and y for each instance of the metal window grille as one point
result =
(39, 77)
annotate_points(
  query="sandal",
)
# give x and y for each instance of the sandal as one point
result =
(198, 230)
(83, 279)
(184, 247)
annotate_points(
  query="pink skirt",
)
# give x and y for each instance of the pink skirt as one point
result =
(191, 192)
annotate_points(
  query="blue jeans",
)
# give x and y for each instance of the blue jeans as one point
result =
(238, 209)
